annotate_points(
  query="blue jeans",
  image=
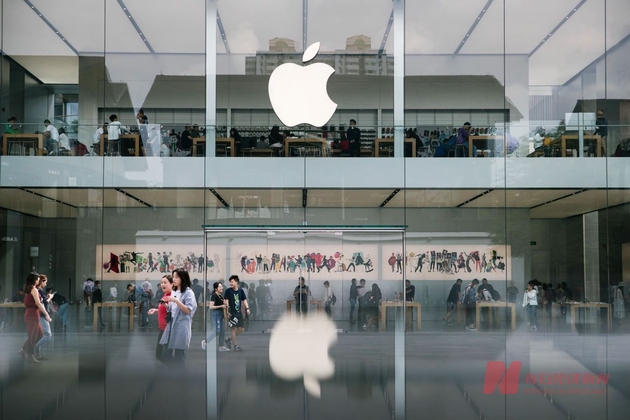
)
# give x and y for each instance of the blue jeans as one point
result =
(531, 309)
(62, 313)
(47, 335)
(218, 322)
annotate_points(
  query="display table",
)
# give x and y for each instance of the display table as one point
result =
(292, 302)
(228, 142)
(409, 305)
(494, 139)
(562, 142)
(488, 304)
(134, 137)
(295, 142)
(111, 305)
(36, 141)
(378, 143)
(596, 305)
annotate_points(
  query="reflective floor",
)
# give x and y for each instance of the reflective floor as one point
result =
(114, 375)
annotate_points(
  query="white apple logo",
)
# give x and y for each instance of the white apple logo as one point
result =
(298, 94)
(299, 348)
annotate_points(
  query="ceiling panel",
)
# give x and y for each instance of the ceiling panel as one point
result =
(172, 197)
(432, 198)
(437, 27)
(347, 198)
(33, 204)
(120, 35)
(517, 198)
(585, 202)
(237, 198)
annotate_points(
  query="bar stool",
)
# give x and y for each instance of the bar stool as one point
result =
(460, 150)
(113, 148)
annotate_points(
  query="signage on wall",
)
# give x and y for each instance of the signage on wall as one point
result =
(298, 94)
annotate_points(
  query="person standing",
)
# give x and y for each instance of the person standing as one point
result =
(454, 296)
(410, 291)
(61, 304)
(51, 134)
(237, 300)
(354, 295)
(96, 138)
(97, 297)
(469, 300)
(463, 134)
(361, 290)
(354, 138)
(301, 295)
(530, 304)
(218, 306)
(43, 321)
(166, 285)
(182, 306)
(601, 129)
(114, 130)
(197, 290)
(328, 299)
(34, 309)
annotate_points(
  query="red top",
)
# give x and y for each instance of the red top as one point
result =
(162, 309)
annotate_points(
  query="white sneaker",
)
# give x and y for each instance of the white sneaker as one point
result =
(223, 348)
(204, 344)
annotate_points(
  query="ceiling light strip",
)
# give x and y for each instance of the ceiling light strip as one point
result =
(135, 25)
(558, 26)
(222, 32)
(218, 196)
(304, 24)
(388, 29)
(51, 26)
(304, 197)
(558, 199)
(473, 26)
(46, 197)
(388, 199)
(133, 197)
(474, 198)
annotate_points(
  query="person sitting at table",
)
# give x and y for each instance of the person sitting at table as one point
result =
(51, 134)
(262, 143)
(275, 138)
(11, 127)
(64, 141)
(114, 130)
(96, 138)
(195, 133)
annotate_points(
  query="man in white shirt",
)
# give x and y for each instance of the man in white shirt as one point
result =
(115, 129)
(52, 136)
(96, 138)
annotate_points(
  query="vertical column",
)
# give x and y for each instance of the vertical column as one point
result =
(591, 256)
(399, 78)
(211, 77)
(91, 73)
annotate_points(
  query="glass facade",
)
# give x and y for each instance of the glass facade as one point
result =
(139, 138)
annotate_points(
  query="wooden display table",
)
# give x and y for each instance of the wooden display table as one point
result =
(256, 152)
(111, 305)
(35, 139)
(289, 141)
(378, 143)
(409, 305)
(228, 142)
(472, 139)
(488, 304)
(596, 305)
(292, 302)
(134, 137)
(562, 141)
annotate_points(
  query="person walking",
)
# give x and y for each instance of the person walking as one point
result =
(218, 306)
(97, 297)
(34, 309)
(530, 303)
(43, 321)
(237, 300)
(328, 299)
(166, 285)
(301, 295)
(454, 296)
(182, 306)
(469, 300)
(354, 295)
(60, 303)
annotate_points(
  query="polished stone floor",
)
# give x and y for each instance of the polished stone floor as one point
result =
(112, 374)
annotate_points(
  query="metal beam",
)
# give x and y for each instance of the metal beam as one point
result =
(135, 25)
(51, 26)
(473, 26)
(390, 22)
(304, 24)
(222, 32)
(558, 26)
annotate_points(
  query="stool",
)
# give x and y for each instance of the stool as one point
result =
(113, 148)
(460, 148)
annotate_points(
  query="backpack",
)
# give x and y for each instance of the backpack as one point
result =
(466, 297)
(333, 299)
(495, 295)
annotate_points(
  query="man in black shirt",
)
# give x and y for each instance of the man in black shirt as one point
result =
(601, 129)
(236, 301)
(410, 291)
(354, 137)
(452, 299)
(301, 294)
(186, 141)
(97, 297)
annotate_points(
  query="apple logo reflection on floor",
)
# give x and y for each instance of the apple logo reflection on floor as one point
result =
(298, 348)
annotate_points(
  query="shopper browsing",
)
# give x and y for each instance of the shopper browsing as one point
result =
(237, 300)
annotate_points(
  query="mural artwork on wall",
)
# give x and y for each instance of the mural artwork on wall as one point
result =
(446, 262)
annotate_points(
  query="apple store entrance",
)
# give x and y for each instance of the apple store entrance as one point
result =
(318, 330)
